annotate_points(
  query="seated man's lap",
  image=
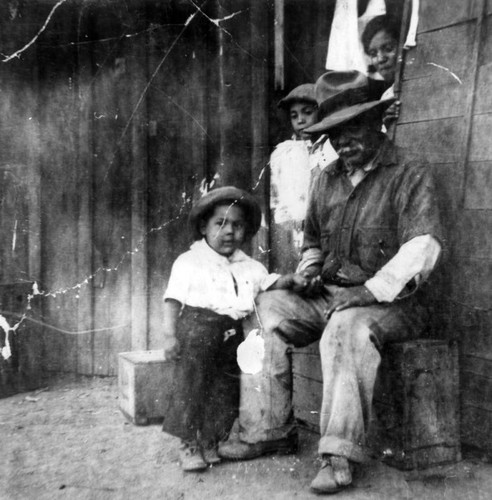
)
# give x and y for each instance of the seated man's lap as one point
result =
(383, 323)
(300, 321)
(297, 320)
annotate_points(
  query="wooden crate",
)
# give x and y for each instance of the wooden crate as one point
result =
(143, 381)
(416, 402)
(307, 385)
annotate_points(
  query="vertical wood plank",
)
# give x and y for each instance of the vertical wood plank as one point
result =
(85, 231)
(279, 44)
(232, 161)
(470, 98)
(178, 140)
(57, 108)
(139, 186)
(112, 108)
(259, 123)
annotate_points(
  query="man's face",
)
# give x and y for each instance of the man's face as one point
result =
(356, 141)
(302, 115)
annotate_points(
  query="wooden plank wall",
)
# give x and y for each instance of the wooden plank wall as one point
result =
(208, 131)
(446, 115)
(116, 114)
(20, 207)
(178, 148)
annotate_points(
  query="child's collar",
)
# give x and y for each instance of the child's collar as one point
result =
(202, 245)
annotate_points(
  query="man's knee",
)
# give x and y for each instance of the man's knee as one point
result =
(272, 309)
(347, 327)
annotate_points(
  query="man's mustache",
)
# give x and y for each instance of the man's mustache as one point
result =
(347, 150)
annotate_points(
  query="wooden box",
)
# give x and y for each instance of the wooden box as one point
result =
(416, 402)
(143, 380)
(307, 385)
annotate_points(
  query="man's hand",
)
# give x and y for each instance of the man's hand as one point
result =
(344, 298)
(314, 287)
(171, 348)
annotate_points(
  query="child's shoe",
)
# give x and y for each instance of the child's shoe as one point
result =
(191, 458)
(211, 456)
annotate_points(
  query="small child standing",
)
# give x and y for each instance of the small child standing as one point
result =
(294, 164)
(212, 287)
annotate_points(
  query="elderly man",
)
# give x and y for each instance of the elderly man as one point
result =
(372, 236)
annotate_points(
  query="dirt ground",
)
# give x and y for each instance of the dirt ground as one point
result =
(69, 440)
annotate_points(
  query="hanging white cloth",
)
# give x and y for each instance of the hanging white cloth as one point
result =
(345, 49)
(411, 40)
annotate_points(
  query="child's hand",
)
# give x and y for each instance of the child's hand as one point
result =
(299, 282)
(391, 114)
(293, 281)
(171, 348)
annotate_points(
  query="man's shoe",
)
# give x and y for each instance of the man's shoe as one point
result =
(239, 450)
(341, 470)
(211, 456)
(191, 459)
(333, 475)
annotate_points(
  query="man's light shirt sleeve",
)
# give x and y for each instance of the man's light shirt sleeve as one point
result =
(415, 260)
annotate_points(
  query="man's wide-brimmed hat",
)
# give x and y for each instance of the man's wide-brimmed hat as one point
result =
(226, 194)
(342, 96)
(304, 92)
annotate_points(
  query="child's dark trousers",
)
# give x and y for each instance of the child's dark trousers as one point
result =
(204, 399)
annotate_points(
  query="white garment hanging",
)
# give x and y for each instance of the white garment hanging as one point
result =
(411, 40)
(345, 49)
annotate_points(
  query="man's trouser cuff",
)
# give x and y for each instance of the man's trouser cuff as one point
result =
(253, 436)
(332, 445)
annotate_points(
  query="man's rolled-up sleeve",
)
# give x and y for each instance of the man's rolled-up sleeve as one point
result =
(415, 260)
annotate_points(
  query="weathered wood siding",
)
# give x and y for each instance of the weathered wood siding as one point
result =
(446, 115)
(112, 118)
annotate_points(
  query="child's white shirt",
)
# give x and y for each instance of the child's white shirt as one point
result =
(293, 165)
(201, 277)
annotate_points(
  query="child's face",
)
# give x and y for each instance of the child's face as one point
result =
(303, 115)
(383, 51)
(225, 229)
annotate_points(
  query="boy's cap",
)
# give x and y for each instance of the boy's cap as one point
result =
(342, 96)
(304, 92)
(226, 194)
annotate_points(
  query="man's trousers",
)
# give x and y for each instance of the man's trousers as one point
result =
(350, 344)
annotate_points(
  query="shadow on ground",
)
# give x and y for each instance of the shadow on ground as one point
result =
(70, 441)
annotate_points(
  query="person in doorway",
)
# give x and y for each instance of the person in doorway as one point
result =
(380, 41)
(294, 164)
(212, 287)
(373, 222)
